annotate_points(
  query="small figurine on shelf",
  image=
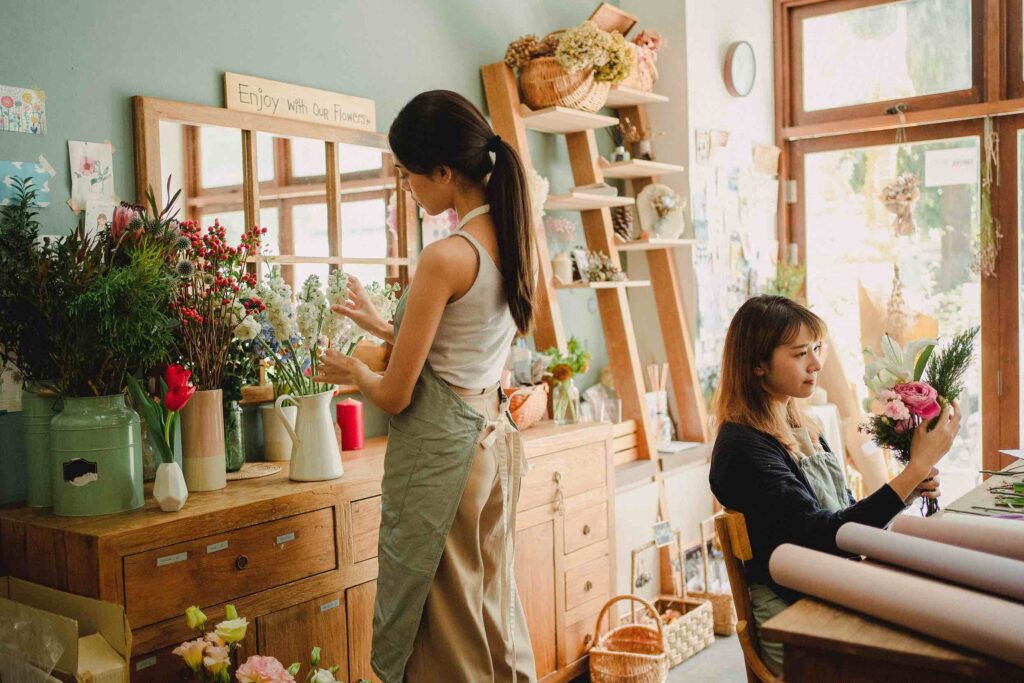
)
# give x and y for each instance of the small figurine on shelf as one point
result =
(638, 138)
(620, 154)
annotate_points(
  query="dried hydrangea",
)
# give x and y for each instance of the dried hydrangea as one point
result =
(549, 45)
(601, 268)
(521, 50)
(621, 61)
(538, 188)
(583, 47)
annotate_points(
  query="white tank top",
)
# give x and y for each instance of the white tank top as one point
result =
(474, 338)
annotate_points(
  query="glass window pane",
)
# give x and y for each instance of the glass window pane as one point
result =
(364, 231)
(308, 158)
(355, 158)
(309, 230)
(852, 251)
(220, 156)
(886, 52)
(304, 270)
(265, 156)
(234, 221)
(366, 273)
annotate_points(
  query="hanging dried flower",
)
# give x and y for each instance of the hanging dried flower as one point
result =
(899, 197)
(620, 62)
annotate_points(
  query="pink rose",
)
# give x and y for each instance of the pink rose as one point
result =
(896, 410)
(87, 165)
(920, 398)
(259, 669)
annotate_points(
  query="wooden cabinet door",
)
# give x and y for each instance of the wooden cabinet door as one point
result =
(360, 630)
(163, 666)
(535, 579)
(289, 634)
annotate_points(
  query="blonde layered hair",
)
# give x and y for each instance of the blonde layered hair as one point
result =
(761, 325)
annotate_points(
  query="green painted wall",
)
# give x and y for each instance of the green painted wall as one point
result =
(92, 57)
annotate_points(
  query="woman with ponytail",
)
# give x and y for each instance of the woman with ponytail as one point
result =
(447, 606)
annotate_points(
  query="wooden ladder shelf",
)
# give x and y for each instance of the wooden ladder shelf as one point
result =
(511, 120)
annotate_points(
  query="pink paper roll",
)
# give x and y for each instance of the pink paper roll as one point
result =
(1003, 537)
(959, 616)
(972, 568)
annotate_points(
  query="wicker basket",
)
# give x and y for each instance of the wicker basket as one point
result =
(528, 405)
(688, 633)
(722, 605)
(632, 653)
(545, 83)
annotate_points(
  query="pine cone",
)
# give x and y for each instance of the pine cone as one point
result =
(622, 222)
(521, 50)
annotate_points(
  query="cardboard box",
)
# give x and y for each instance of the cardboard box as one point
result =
(95, 635)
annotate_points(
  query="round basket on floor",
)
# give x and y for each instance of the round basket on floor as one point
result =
(545, 83)
(528, 405)
(631, 653)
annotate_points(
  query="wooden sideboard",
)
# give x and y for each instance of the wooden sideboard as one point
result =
(299, 559)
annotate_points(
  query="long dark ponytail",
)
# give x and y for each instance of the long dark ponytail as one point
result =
(443, 128)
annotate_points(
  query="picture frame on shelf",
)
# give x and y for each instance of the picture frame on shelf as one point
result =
(581, 261)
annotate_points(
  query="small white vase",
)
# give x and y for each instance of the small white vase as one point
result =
(561, 266)
(277, 444)
(169, 489)
(315, 452)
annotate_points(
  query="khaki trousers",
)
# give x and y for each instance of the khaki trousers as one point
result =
(464, 635)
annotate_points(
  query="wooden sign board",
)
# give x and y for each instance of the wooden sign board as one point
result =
(274, 98)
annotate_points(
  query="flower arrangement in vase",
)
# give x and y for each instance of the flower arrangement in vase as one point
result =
(161, 415)
(563, 367)
(912, 385)
(212, 654)
(215, 303)
(295, 339)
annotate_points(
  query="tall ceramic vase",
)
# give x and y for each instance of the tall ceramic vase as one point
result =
(315, 452)
(202, 441)
(96, 457)
(37, 412)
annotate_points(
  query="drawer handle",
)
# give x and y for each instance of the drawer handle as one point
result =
(559, 496)
(587, 639)
(588, 586)
(241, 562)
(586, 529)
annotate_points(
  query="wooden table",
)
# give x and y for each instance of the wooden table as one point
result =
(825, 642)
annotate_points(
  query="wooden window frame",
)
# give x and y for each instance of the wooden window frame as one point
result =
(796, 11)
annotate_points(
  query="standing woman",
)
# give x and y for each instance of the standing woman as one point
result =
(446, 596)
(770, 461)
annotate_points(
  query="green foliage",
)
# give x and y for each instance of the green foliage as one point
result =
(788, 281)
(22, 266)
(947, 367)
(241, 368)
(576, 357)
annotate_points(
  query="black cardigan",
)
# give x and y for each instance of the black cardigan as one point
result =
(753, 473)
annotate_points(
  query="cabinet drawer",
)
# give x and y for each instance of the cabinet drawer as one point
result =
(572, 472)
(578, 639)
(162, 583)
(585, 582)
(583, 527)
(365, 528)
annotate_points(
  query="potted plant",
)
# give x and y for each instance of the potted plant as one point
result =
(26, 326)
(563, 367)
(300, 331)
(213, 300)
(169, 489)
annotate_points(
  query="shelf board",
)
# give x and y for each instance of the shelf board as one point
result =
(638, 168)
(581, 201)
(651, 243)
(628, 97)
(564, 120)
(617, 284)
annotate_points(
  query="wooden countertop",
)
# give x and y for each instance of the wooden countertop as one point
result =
(363, 472)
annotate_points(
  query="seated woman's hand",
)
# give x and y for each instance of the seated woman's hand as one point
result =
(361, 310)
(928, 488)
(337, 368)
(929, 446)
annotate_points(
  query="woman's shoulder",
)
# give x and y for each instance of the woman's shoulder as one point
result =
(743, 441)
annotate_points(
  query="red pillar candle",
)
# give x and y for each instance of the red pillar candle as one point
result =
(350, 419)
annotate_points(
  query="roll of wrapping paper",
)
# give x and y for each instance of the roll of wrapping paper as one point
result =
(1004, 537)
(971, 568)
(959, 616)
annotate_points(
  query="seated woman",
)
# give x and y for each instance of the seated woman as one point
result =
(770, 462)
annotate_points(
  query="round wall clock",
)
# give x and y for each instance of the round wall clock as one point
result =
(740, 69)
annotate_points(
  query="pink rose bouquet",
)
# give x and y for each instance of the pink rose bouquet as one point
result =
(910, 386)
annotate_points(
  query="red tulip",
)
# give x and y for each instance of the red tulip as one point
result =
(176, 377)
(176, 399)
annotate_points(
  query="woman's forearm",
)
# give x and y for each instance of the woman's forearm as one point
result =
(386, 332)
(906, 482)
(375, 389)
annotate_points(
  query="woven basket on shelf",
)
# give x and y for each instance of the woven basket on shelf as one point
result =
(545, 83)
(632, 653)
(722, 605)
(644, 73)
(528, 405)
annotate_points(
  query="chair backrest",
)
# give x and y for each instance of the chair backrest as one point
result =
(732, 534)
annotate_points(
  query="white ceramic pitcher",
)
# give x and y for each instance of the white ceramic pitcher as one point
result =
(315, 452)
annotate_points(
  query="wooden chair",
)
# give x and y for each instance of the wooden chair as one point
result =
(732, 534)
